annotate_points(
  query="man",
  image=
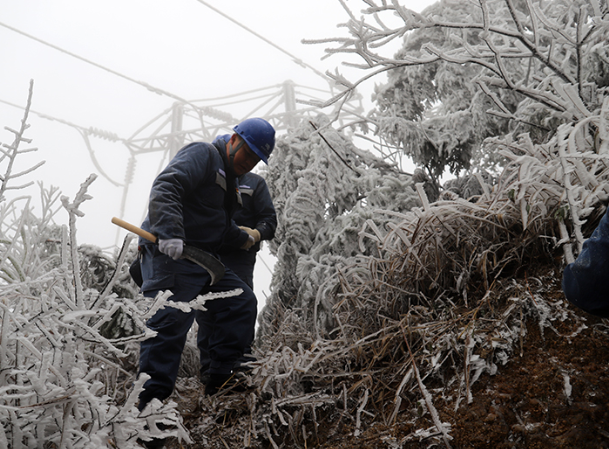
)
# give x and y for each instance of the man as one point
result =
(257, 215)
(191, 202)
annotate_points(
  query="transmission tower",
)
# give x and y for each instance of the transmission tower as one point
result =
(283, 105)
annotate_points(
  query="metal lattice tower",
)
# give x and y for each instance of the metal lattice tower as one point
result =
(284, 106)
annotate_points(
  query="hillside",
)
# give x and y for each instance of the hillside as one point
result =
(451, 331)
(552, 393)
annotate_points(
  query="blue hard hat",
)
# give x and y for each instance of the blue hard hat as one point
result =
(259, 136)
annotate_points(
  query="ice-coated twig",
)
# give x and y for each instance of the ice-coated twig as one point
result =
(74, 212)
(13, 151)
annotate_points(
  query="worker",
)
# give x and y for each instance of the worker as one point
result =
(191, 203)
(257, 214)
(584, 281)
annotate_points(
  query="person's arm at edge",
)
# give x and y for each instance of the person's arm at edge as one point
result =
(585, 282)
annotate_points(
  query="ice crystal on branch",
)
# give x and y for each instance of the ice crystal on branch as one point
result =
(9, 153)
(324, 189)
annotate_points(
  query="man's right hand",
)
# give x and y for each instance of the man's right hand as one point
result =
(172, 247)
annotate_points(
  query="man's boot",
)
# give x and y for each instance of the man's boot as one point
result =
(216, 382)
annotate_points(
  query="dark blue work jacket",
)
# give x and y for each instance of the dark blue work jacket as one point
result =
(257, 211)
(586, 281)
(192, 199)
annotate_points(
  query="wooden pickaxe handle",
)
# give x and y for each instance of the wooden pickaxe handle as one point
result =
(131, 228)
(214, 267)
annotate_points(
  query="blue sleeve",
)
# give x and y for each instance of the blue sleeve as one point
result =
(235, 236)
(265, 211)
(585, 282)
(189, 168)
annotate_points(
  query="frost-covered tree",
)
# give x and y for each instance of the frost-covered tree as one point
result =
(470, 70)
(435, 111)
(423, 298)
(324, 188)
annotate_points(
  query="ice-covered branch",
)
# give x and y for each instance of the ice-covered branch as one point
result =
(73, 211)
(491, 33)
(13, 150)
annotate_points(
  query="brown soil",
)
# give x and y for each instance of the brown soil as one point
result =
(526, 404)
(553, 395)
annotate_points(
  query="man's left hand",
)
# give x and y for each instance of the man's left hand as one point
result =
(253, 232)
(250, 242)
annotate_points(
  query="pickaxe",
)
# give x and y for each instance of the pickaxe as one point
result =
(214, 267)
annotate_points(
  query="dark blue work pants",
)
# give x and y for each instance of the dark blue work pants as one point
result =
(231, 321)
(242, 264)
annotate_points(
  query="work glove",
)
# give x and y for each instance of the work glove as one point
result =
(172, 247)
(253, 232)
(250, 242)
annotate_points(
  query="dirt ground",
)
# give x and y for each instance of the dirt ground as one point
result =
(553, 396)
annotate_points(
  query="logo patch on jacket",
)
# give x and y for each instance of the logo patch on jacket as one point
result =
(246, 190)
(238, 194)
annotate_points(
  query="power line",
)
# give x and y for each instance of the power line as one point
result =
(249, 30)
(85, 133)
(156, 89)
(159, 90)
(114, 72)
(162, 91)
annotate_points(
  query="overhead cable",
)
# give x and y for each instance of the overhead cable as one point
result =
(294, 58)
(141, 83)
